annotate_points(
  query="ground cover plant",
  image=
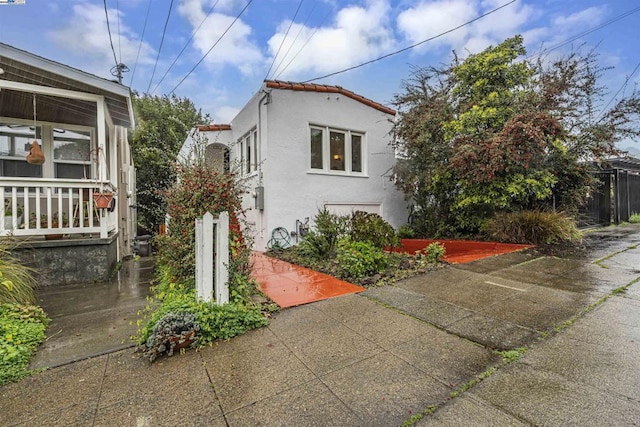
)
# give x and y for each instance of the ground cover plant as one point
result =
(174, 319)
(22, 323)
(21, 331)
(358, 248)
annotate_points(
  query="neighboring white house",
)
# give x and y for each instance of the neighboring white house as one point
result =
(80, 121)
(304, 147)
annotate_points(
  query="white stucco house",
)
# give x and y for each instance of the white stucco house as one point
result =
(80, 122)
(303, 147)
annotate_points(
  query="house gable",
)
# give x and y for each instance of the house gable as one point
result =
(312, 87)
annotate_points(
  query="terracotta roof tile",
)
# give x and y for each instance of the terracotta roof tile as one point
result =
(213, 128)
(312, 87)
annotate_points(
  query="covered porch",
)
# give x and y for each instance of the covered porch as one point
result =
(80, 122)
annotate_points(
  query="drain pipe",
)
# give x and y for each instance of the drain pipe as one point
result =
(267, 97)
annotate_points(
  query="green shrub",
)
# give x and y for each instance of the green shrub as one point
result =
(406, 232)
(199, 189)
(533, 227)
(21, 331)
(16, 280)
(213, 321)
(372, 228)
(634, 218)
(331, 227)
(434, 252)
(314, 246)
(360, 259)
(172, 330)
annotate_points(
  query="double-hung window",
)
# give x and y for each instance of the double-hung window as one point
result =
(248, 146)
(72, 153)
(15, 143)
(336, 151)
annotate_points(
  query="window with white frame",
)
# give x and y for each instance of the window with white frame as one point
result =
(72, 153)
(336, 150)
(15, 143)
(248, 146)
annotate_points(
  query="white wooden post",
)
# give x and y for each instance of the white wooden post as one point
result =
(222, 259)
(206, 287)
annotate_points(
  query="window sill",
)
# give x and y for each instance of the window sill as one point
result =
(336, 173)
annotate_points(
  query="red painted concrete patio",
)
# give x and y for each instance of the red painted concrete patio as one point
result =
(463, 251)
(288, 285)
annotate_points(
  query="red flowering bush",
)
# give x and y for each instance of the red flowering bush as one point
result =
(197, 190)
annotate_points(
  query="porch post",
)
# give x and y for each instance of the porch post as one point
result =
(102, 150)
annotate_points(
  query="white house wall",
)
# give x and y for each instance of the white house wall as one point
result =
(291, 190)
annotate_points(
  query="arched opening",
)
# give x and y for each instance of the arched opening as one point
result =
(217, 157)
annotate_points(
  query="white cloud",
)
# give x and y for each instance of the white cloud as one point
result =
(430, 18)
(236, 47)
(356, 35)
(587, 17)
(83, 36)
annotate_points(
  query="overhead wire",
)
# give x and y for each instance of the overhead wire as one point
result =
(584, 33)
(185, 46)
(286, 34)
(144, 28)
(211, 48)
(164, 31)
(119, 37)
(602, 114)
(413, 45)
(303, 46)
(106, 14)
(295, 39)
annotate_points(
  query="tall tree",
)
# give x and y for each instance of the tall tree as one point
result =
(163, 123)
(497, 133)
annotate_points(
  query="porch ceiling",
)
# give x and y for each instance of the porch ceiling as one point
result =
(23, 67)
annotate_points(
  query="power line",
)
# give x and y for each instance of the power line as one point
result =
(144, 27)
(624, 85)
(412, 46)
(302, 47)
(106, 14)
(185, 45)
(119, 37)
(586, 32)
(211, 48)
(164, 31)
(283, 39)
(295, 39)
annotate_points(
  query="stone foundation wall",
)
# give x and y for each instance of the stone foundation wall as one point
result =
(68, 261)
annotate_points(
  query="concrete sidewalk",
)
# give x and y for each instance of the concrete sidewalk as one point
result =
(386, 355)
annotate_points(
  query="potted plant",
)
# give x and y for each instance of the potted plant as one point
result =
(8, 215)
(44, 223)
(103, 195)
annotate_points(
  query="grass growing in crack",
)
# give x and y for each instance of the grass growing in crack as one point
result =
(420, 415)
(599, 262)
(616, 291)
(509, 356)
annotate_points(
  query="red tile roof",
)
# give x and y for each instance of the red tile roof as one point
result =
(311, 87)
(213, 128)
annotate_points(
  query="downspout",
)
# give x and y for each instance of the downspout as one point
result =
(267, 97)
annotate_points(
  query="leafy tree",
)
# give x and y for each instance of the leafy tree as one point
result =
(495, 133)
(163, 123)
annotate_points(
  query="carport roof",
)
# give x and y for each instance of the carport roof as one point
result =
(24, 67)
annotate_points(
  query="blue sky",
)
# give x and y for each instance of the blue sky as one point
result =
(324, 36)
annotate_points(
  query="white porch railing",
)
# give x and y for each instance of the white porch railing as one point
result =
(43, 207)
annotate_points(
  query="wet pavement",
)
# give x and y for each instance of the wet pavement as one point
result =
(92, 319)
(384, 356)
